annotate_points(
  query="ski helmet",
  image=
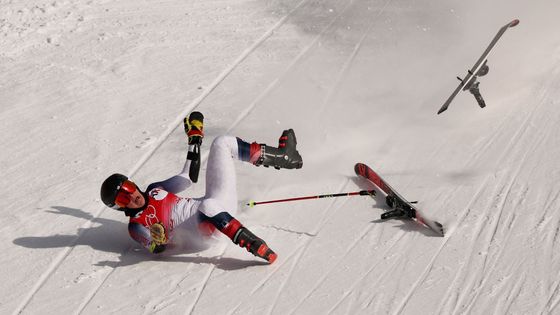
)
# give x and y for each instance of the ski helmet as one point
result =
(110, 188)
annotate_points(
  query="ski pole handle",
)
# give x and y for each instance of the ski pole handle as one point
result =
(371, 193)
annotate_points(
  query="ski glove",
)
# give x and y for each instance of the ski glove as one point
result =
(194, 128)
(157, 231)
(155, 248)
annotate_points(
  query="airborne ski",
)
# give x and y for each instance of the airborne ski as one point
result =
(480, 68)
(400, 207)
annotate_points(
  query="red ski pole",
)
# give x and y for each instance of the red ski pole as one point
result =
(355, 193)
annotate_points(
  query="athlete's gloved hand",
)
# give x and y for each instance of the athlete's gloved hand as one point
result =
(157, 231)
(194, 127)
(155, 248)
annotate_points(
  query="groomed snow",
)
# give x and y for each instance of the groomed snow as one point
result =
(92, 87)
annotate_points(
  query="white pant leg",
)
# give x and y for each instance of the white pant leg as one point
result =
(221, 182)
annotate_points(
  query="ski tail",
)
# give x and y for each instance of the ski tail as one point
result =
(433, 225)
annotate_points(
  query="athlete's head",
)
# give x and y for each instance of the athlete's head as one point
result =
(120, 193)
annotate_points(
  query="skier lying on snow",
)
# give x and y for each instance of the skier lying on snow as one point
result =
(155, 213)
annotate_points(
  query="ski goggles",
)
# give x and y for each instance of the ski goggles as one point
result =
(124, 195)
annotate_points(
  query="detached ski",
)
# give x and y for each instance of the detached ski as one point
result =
(480, 68)
(400, 207)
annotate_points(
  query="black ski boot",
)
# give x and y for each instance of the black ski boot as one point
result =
(241, 236)
(285, 156)
(194, 128)
(476, 92)
(255, 245)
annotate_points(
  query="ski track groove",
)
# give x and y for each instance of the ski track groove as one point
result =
(514, 140)
(265, 280)
(551, 241)
(327, 214)
(550, 305)
(96, 289)
(546, 216)
(204, 283)
(53, 266)
(160, 140)
(395, 241)
(487, 273)
(423, 275)
(491, 239)
(289, 69)
(365, 232)
(406, 222)
(555, 304)
(514, 293)
(152, 305)
(299, 250)
(476, 235)
(278, 265)
(549, 235)
(450, 233)
(285, 282)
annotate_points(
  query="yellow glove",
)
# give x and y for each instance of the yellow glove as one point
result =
(194, 127)
(157, 231)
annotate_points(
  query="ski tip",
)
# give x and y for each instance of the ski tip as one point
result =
(357, 168)
(251, 203)
(513, 23)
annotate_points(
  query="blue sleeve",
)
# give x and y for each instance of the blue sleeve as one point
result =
(220, 220)
(174, 185)
(141, 234)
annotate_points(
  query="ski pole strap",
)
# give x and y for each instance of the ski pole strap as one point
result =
(253, 203)
(367, 193)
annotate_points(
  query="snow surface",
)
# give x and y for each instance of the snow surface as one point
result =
(92, 87)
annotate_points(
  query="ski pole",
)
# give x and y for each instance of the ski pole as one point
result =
(371, 193)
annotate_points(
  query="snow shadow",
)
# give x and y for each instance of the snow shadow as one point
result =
(111, 236)
(409, 225)
(106, 235)
(140, 255)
